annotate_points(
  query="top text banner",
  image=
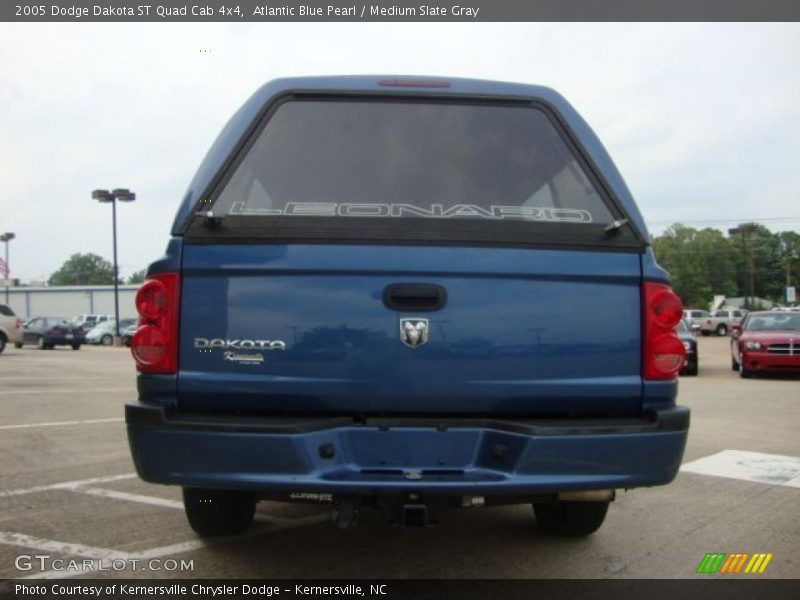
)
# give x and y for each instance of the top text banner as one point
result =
(401, 10)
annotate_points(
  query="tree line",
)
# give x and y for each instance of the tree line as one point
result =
(89, 269)
(704, 263)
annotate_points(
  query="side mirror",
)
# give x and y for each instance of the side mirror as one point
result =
(736, 330)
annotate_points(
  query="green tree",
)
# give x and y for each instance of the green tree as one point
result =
(84, 269)
(758, 245)
(704, 263)
(714, 251)
(678, 251)
(138, 276)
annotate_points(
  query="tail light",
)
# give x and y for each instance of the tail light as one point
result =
(155, 344)
(663, 350)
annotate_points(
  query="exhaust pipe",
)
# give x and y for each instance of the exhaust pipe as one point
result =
(588, 496)
(414, 515)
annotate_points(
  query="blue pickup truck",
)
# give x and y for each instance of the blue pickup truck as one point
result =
(406, 295)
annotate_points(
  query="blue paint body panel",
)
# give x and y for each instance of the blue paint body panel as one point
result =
(369, 461)
(525, 334)
(513, 338)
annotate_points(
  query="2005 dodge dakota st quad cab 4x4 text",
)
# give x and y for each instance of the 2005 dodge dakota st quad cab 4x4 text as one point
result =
(407, 295)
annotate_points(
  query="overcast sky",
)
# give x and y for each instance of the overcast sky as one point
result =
(703, 120)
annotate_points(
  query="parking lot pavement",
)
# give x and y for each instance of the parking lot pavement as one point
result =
(68, 490)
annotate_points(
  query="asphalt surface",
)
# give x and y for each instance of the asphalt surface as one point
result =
(68, 490)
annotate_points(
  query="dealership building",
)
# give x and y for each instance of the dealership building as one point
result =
(69, 300)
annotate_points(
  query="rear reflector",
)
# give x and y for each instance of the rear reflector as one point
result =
(664, 353)
(155, 344)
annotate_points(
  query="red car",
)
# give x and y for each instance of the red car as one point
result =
(766, 341)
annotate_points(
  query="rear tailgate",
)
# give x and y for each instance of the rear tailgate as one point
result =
(522, 331)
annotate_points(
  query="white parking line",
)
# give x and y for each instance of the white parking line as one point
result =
(87, 390)
(107, 554)
(62, 423)
(774, 469)
(162, 502)
(66, 485)
(141, 499)
(11, 538)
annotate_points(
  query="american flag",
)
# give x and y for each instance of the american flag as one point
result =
(3, 269)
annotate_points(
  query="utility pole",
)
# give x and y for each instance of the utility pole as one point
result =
(788, 271)
(747, 255)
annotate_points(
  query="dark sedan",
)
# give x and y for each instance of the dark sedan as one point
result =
(692, 363)
(48, 332)
(127, 333)
(766, 341)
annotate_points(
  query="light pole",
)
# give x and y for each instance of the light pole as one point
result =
(7, 237)
(105, 196)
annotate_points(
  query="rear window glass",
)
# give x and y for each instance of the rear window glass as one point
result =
(411, 160)
(6, 311)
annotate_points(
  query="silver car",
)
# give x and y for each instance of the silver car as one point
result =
(104, 332)
(695, 317)
(722, 320)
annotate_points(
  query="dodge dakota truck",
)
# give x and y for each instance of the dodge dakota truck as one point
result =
(405, 295)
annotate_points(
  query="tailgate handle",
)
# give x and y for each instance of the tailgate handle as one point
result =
(413, 297)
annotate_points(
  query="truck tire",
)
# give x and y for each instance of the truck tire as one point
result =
(17, 345)
(570, 518)
(218, 512)
(3, 341)
(107, 340)
(722, 329)
(705, 333)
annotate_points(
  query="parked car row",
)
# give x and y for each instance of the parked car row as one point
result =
(46, 332)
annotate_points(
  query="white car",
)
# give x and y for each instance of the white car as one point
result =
(86, 322)
(722, 320)
(10, 327)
